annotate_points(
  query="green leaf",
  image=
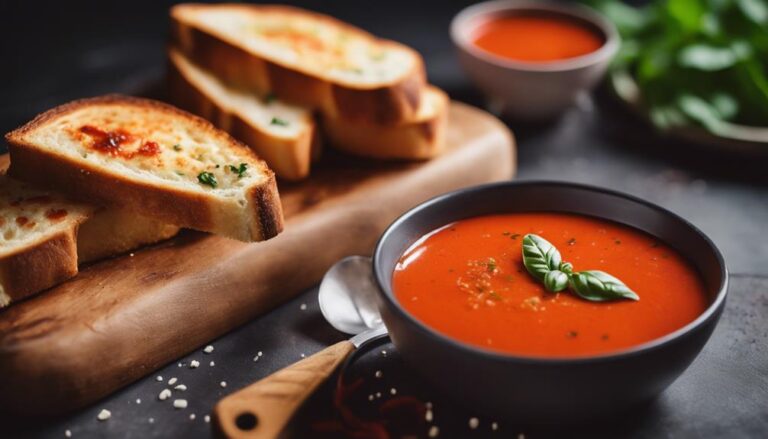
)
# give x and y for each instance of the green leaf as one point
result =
(701, 111)
(555, 281)
(598, 286)
(710, 58)
(755, 10)
(539, 256)
(687, 13)
(725, 104)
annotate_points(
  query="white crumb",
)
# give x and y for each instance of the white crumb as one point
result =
(172, 381)
(303, 306)
(103, 415)
(393, 391)
(138, 400)
(192, 417)
(207, 418)
(208, 349)
(151, 420)
(474, 423)
(194, 364)
(212, 364)
(428, 416)
(68, 433)
(180, 403)
(164, 394)
(223, 384)
(159, 378)
(434, 431)
(494, 426)
(378, 374)
(181, 387)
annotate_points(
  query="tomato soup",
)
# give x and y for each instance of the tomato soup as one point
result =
(467, 280)
(536, 38)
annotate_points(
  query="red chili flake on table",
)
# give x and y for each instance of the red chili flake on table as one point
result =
(55, 214)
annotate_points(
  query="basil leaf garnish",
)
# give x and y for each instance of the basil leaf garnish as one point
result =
(543, 261)
(599, 286)
(555, 281)
(539, 256)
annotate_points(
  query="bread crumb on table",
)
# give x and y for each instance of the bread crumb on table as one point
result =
(180, 404)
(208, 349)
(164, 394)
(103, 415)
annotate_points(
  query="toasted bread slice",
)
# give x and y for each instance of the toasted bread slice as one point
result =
(284, 135)
(422, 137)
(303, 57)
(110, 232)
(38, 233)
(153, 159)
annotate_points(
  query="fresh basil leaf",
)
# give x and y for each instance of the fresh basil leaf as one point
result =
(539, 256)
(555, 281)
(725, 104)
(701, 111)
(708, 58)
(598, 286)
(755, 10)
(687, 13)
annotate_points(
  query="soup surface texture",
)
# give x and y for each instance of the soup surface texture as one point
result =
(536, 39)
(467, 280)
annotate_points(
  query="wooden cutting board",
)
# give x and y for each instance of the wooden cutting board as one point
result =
(123, 318)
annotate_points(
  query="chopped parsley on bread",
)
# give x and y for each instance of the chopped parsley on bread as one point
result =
(284, 135)
(153, 159)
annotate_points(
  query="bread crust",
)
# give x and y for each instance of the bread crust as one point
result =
(39, 267)
(388, 103)
(289, 157)
(88, 182)
(419, 139)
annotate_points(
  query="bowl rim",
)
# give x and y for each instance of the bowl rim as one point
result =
(459, 29)
(632, 351)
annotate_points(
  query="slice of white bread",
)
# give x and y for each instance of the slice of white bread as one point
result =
(38, 234)
(303, 57)
(110, 232)
(422, 137)
(284, 135)
(153, 159)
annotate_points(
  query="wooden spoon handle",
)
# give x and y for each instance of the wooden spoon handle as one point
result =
(262, 410)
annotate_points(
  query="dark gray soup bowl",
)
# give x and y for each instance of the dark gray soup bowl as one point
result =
(546, 390)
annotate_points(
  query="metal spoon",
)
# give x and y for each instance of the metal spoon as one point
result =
(348, 302)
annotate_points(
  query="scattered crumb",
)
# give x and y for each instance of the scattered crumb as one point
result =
(172, 381)
(180, 403)
(256, 358)
(103, 415)
(68, 433)
(393, 391)
(223, 384)
(131, 255)
(138, 400)
(378, 374)
(303, 306)
(378, 394)
(384, 353)
(494, 426)
(194, 364)
(208, 349)
(212, 363)
(303, 356)
(434, 431)
(164, 394)
(207, 418)
(181, 387)
(521, 436)
(428, 415)
(151, 420)
(370, 397)
(159, 378)
(181, 364)
(192, 417)
(428, 405)
(259, 354)
(474, 423)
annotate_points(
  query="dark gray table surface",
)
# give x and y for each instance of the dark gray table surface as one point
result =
(724, 393)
